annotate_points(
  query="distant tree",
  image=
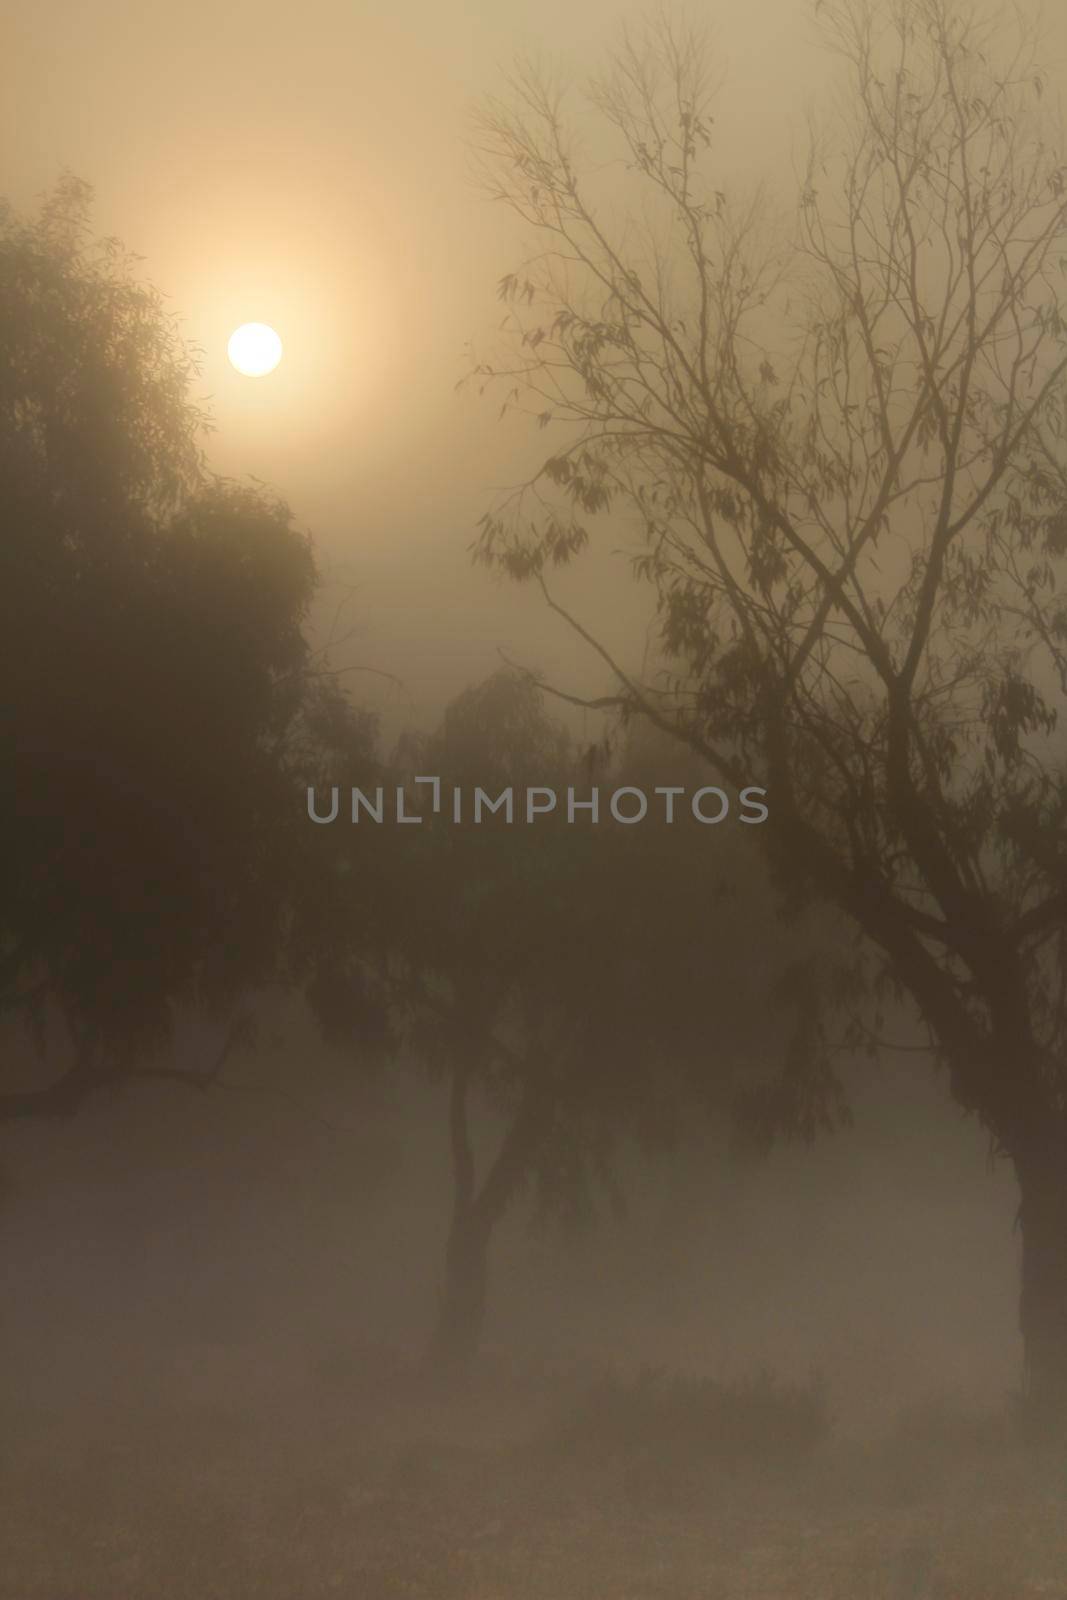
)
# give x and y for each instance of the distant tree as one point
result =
(160, 708)
(847, 455)
(577, 986)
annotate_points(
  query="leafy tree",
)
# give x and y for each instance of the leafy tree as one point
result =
(845, 451)
(564, 980)
(161, 710)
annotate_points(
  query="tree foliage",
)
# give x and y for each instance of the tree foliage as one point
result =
(576, 987)
(159, 703)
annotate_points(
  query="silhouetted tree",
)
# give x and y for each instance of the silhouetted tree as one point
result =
(563, 979)
(160, 710)
(847, 454)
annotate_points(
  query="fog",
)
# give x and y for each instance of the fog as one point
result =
(218, 1300)
(229, 1285)
(261, 1236)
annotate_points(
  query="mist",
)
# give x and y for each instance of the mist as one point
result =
(527, 1208)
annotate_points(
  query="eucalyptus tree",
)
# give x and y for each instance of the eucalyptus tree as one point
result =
(842, 445)
(161, 708)
(577, 983)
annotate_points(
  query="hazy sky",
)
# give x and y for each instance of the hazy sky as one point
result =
(303, 166)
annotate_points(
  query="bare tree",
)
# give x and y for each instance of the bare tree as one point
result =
(845, 450)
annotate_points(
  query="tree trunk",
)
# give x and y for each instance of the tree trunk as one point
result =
(1042, 1174)
(461, 1309)
(475, 1212)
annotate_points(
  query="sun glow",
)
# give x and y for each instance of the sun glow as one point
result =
(254, 349)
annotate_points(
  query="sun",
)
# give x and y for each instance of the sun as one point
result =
(254, 349)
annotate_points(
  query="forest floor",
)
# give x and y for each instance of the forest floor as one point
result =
(360, 1485)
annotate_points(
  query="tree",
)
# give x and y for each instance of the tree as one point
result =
(562, 979)
(161, 710)
(845, 451)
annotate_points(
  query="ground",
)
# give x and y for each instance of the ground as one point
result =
(361, 1483)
